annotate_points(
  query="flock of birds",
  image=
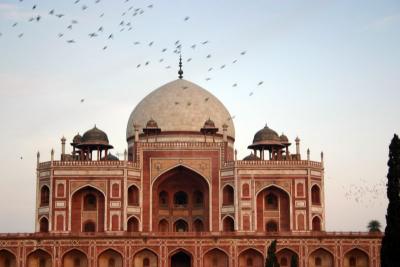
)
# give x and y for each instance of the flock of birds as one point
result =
(125, 24)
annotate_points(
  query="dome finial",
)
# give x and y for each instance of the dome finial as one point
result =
(180, 72)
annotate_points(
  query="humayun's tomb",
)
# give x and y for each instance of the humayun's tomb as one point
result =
(180, 197)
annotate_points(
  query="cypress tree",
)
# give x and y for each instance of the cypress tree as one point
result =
(390, 250)
(272, 260)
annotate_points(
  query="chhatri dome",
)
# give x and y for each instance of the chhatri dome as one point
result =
(180, 106)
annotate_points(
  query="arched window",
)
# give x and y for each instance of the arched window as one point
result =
(133, 196)
(228, 224)
(352, 261)
(198, 226)
(89, 202)
(318, 261)
(115, 190)
(180, 199)
(163, 199)
(315, 195)
(271, 202)
(133, 225)
(316, 223)
(198, 198)
(44, 196)
(227, 195)
(245, 190)
(163, 226)
(89, 227)
(111, 262)
(146, 262)
(300, 189)
(60, 190)
(181, 226)
(272, 227)
(44, 225)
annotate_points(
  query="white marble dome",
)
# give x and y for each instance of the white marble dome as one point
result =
(180, 106)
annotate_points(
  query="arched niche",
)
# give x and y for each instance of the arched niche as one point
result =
(39, 258)
(75, 258)
(251, 258)
(315, 195)
(44, 196)
(356, 258)
(228, 224)
(320, 258)
(145, 258)
(316, 224)
(7, 259)
(180, 192)
(87, 207)
(181, 258)
(284, 257)
(228, 195)
(43, 225)
(110, 258)
(215, 258)
(276, 202)
(133, 224)
(133, 196)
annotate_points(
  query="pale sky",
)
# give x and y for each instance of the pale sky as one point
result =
(330, 71)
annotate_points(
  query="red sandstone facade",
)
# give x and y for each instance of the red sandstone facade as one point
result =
(181, 198)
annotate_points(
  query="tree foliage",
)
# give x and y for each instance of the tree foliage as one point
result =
(374, 226)
(390, 250)
(272, 260)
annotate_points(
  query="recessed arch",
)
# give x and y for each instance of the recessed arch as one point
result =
(321, 257)
(180, 258)
(133, 195)
(181, 225)
(215, 258)
(198, 225)
(228, 224)
(44, 195)
(228, 195)
(80, 209)
(285, 255)
(7, 258)
(43, 224)
(87, 186)
(281, 213)
(356, 257)
(145, 258)
(75, 258)
(173, 193)
(133, 224)
(315, 195)
(177, 166)
(110, 257)
(39, 258)
(316, 223)
(251, 258)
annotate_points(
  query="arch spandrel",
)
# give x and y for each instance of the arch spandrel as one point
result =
(284, 185)
(162, 165)
(77, 185)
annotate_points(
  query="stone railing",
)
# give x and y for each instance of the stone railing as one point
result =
(180, 144)
(95, 163)
(244, 163)
(122, 234)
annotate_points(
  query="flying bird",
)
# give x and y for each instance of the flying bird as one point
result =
(234, 85)
(243, 53)
(82, 100)
(71, 41)
(260, 83)
(186, 18)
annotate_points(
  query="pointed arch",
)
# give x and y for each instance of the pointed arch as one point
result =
(133, 224)
(356, 257)
(228, 224)
(321, 257)
(181, 225)
(251, 258)
(316, 223)
(180, 257)
(75, 258)
(215, 258)
(43, 224)
(44, 195)
(110, 258)
(133, 195)
(315, 195)
(228, 195)
(163, 225)
(198, 225)
(7, 258)
(285, 255)
(145, 258)
(39, 258)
